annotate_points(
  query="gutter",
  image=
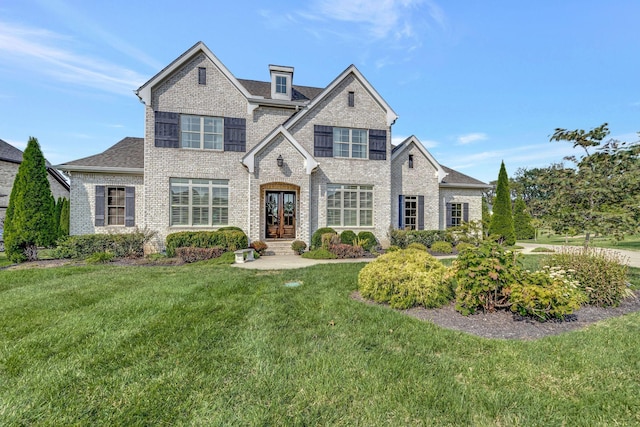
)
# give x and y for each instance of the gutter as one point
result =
(100, 169)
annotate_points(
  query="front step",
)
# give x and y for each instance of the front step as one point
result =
(279, 247)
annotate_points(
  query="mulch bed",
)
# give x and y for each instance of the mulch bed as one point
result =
(506, 325)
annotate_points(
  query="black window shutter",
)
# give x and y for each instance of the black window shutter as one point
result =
(202, 75)
(449, 219)
(465, 212)
(129, 206)
(377, 144)
(401, 212)
(420, 212)
(167, 130)
(322, 141)
(235, 134)
(99, 214)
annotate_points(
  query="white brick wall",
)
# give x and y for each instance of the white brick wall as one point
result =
(461, 195)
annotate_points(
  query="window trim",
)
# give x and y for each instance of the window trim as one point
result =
(359, 189)
(456, 220)
(119, 207)
(412, 225)
(281, 83)
(201, 132)
(364, 144)
(190, 184)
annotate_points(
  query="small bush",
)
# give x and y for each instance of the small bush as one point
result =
(229, 238)
(329, 239)
(100, 258)
(403, 238)
(191, 254)
(342, 250)
(347, 237)
(545, 295)
(316, 238)
(463, 246)
(319, 254)
(416, 245)
(259, 246)
(405, 278)
(483, 276)
(442, 247)
(369, 240)
(298, 246)
(602, 274)
(119, 244)
(393, 248)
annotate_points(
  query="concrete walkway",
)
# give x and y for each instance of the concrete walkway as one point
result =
(286, 262)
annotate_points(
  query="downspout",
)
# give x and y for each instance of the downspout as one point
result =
(249, 207)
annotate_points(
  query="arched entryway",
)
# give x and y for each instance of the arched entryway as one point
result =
(279, 210)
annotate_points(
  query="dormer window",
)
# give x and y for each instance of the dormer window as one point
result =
(281, 84)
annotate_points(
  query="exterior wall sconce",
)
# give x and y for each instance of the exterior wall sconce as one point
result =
(280, 161)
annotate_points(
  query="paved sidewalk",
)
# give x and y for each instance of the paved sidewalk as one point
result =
(286, 262)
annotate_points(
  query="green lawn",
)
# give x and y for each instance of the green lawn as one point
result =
(215, 345)
(4, 261)
(631, 243)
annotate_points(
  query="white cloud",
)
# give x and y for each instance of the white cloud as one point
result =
(471, 138)
(39, 50)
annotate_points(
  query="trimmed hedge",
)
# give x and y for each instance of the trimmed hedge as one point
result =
(228, 239)
(347, 237)
(403, 238)
(370, 241)
(120, 245)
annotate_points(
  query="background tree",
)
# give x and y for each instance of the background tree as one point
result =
(522, 220)
(501, 225)
(30, 214)
(57, 210)
(64, 218)
(601, 195)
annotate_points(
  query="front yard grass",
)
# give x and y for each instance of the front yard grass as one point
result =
(213, 345)
(631, 243)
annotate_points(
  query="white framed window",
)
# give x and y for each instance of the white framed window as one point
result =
(199, 202)
(281, 84)
(201, 132)
(350, 143)
(410, 212)
(115, 205)
(349, 205)
(456, 214)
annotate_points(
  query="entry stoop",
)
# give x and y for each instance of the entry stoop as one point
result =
(279, 247)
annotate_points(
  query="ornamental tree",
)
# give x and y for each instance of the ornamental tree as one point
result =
(501, 225)
(29, 219)
(522, 220)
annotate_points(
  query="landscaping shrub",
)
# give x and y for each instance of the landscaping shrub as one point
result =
(230, 239)
(546, 294)
(259, 246)
(368, 240)
(483, 277)
(329, 239)
(100, 258)
(393, 248)
(405, 278)
(403, 238)
(316, 238)
(320, 253)
(192, 254)
(463, 246)
(298, 246)
(602, 274)
(347, 237)
(342, 250)
(416, 245)
(467, 232)
(120, 245)
(442, 247)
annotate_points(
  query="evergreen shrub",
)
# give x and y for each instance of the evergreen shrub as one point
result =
(316, 237)
(121, 245)
(442, 247)
(463, 246)
(418, 246)
(347, 237)
(298, 246)
(368, 239)
(230, 239)
(320, 253)
(405, 278)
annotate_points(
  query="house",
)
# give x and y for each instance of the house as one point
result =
(277, 159)
(10, 159)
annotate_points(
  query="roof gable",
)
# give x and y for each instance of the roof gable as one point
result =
(351, 70)
(144, 91)
(413, 140)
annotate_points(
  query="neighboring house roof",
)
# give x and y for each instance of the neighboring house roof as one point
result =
(460, 180)
(395, 152)
(9, 153)
(126, 156)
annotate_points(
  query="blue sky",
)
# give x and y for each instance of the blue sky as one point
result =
(476, 81)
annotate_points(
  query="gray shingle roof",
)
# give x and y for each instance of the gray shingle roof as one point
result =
(263, 89)
(127, 154)
(10, 153)
(455, 177)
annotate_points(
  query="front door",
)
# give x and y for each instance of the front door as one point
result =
(280, 208)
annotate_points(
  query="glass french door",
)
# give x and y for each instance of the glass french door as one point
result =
(280, 213)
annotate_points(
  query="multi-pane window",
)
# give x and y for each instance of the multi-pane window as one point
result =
(350, 143)
(199, 202)
(349, 205)
(201, 132)
(115, 205)
(410, 212)
(456, 214)
(281, 84)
